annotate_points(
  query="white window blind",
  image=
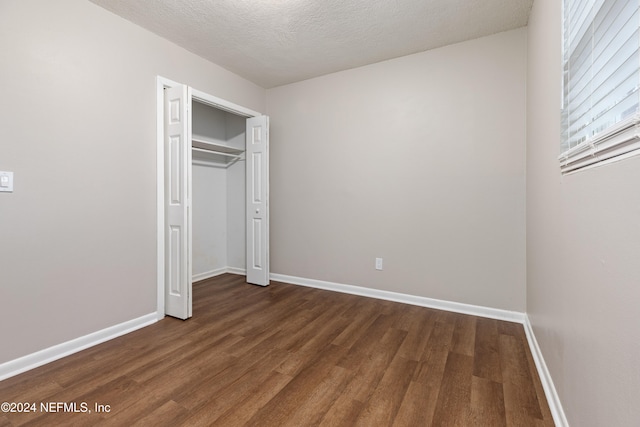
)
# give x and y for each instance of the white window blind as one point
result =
(601, 111)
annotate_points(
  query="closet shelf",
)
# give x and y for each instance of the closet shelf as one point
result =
(207, 144)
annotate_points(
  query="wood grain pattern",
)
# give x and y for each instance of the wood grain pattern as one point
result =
(286, 355)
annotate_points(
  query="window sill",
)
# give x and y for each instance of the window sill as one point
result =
(619, 142)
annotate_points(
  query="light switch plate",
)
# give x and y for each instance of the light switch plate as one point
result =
(6, 182)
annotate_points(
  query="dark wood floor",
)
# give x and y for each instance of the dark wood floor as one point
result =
(286, 355)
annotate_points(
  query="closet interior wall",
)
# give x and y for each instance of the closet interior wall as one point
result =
(218, 216)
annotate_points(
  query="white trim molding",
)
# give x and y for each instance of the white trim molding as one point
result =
(42, 357)
(550, 392)
(456, 307)
(208, 274)
(236, 270)
(218, 272)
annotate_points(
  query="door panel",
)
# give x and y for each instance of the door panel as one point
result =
(175, 257)
(257, 169)
(256, 258)
(177, 199)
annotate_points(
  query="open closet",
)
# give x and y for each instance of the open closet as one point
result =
(215, 193)
(218, 177)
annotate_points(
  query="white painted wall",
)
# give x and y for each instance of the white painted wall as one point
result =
(419, 160)
(209, 244)
(236, 214)
(583, 241)
(78, 121)
(208, 121)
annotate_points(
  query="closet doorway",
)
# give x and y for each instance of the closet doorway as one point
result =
(213, 193)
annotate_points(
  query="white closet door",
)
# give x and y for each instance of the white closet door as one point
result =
(177, 151)
(257, 193)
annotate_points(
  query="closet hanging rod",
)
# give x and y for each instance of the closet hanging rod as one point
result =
(235, 156)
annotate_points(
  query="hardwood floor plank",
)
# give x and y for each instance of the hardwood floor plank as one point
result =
(464, 335)
(510, 328)
(313, 336)
(355, 324)
(418, 405)
(182, 379)
(320, 399)
(157, 366)
(289, 355)
(454, 399)
(373, 364)
(520, 399)
(419, 327)
(246, 408)
(217, 377)
(213, 400)
(167, 415)
(487, 403)
(367, 341)
(518, 415)
(441, 339)
(146, 402)
(486, 362)
(343, 412)
(385, 401)
(33, 389)
(298, 390)
(408, 317)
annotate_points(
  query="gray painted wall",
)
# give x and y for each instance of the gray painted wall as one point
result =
(209, 244)
(583, 241)
(78, 122)
(419, 160)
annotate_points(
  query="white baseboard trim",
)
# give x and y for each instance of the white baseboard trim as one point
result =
(235, 270)
(559, 418)
(42, 357)
(208, 274)
(218, 272)
(475, 310)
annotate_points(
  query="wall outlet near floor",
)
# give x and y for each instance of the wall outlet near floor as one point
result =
(378, 263)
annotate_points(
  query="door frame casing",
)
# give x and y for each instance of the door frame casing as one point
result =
(200, 96)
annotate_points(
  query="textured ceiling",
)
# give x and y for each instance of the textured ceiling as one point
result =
(275, 42)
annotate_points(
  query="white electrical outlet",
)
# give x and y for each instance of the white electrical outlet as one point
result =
(6, 182)
(378, 263)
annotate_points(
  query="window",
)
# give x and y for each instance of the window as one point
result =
(601, 114)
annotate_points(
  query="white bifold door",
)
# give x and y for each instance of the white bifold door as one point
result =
(178, 200)
(257, 193)
(177, 166)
